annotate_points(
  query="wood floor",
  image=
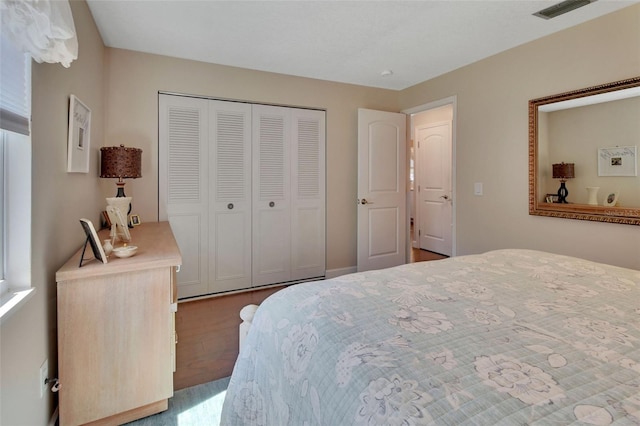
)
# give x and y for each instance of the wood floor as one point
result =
(418, 255)
(208, 336)
(208, 332)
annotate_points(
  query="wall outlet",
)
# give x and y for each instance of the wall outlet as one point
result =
(44, 372)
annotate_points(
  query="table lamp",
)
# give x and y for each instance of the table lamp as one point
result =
(563, 171)
(121, 162)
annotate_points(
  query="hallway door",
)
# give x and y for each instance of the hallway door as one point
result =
(434, 189)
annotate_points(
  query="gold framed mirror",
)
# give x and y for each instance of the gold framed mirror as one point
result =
(594, 133)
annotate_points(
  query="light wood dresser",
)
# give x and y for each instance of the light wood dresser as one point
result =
(116, 331)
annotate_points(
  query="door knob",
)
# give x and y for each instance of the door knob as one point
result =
(364, 201)
(446, 197)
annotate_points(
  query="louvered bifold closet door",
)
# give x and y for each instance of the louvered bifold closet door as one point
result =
(183, 199)
(307, 194)
(271, 195)
(230, 195)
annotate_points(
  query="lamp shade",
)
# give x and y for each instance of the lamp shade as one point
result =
(120, 162)
(563, 171)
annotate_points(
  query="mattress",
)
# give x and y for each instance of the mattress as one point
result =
(509, 337)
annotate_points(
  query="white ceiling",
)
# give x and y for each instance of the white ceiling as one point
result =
(335, 40)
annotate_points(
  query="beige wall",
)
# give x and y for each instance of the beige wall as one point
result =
(492, 136)
(492, 131)
(134, 80)
(59, 199)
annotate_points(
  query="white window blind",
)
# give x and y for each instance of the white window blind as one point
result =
(15, 96)
(2, 215)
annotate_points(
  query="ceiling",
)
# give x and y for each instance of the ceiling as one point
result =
(336, 40)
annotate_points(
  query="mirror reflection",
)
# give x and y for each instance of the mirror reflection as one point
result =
(583, 153)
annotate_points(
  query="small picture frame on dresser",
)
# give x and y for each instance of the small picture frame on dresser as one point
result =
(106, 220)
(611, 200)
(134, 220)
(551, 198)
(93, 241)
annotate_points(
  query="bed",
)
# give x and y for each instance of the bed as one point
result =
(509, 337)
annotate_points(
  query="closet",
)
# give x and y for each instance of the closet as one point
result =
(243, 187)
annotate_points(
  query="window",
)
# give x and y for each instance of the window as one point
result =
(2, 232)
(15, 179)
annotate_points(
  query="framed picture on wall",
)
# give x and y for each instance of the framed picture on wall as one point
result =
(618, 161)
(79, 136)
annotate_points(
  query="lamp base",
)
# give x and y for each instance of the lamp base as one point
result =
(120, 194)
(563, 192)
(120, 189)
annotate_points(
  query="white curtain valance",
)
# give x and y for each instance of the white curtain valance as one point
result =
(42, 28)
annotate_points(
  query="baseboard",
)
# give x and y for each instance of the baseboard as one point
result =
(332, 273)
(249, 289)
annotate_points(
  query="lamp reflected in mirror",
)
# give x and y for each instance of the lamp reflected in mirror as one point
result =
(563, 171)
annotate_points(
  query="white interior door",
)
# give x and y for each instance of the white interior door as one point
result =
(382, 175)
(434, 190)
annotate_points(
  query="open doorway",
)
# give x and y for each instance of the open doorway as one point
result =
(431, 180)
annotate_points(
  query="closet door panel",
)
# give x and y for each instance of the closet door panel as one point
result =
(308, 194)
(271, 195)
(187, 229)
(231, 254)
(308, 235)
(183, 185)
(230, 195)
(272, 263)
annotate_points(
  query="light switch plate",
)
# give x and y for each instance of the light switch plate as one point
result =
(477, 188)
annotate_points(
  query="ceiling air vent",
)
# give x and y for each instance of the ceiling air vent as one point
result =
(562, 8)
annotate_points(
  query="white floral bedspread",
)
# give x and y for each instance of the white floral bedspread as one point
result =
(509, 337)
